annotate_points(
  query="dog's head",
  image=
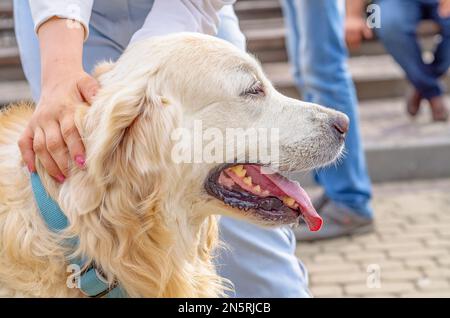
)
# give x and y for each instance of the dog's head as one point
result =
(164, 139)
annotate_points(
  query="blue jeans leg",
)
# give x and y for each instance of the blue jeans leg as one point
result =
(399, 21)
(260, 262)
(318, 53)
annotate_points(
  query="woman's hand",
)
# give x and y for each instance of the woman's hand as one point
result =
(444, 8)
(51, 134)
(356, 30)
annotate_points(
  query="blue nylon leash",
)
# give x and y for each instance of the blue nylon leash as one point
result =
(91, 281)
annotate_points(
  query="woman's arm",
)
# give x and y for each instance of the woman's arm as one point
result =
(51, 134)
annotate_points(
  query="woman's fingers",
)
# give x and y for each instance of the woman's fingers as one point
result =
(73, 141)
(57, 147)
(26, 148)
(52, 135)
(88, 87)
(40, 147)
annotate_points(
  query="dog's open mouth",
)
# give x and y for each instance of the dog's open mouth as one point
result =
(263, 192)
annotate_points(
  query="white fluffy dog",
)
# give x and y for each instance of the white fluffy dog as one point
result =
(145, 220)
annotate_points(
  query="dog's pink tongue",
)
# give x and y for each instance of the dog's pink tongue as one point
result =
(294, 190)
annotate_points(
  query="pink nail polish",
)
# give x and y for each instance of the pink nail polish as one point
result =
(30, 168)
(60, 178)
(80, 161)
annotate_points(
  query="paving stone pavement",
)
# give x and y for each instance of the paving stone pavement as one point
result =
(408, 255)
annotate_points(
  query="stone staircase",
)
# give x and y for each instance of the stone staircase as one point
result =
(397, 148)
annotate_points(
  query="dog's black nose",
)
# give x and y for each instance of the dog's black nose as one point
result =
(341, 123)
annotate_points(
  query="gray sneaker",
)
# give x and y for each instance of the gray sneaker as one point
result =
(337, 221)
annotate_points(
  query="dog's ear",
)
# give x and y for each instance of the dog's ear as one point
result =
(129, 130)
(115, 202)
(127, 137)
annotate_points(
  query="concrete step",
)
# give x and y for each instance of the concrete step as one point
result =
(386, 122)
(7, 36)
(6, 7)
(7, 39)
(268, 45)
(399, 148)
(6, 22)
(10, 67)
(375, 77)
(257, 9)
(9, 55)
(14, 91)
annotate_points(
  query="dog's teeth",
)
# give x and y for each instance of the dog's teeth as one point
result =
(257, 189)
(289, 201)
(247, 181)
(239, 171)
(165, 101)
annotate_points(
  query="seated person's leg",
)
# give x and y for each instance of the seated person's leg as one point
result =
(400, 19)
(439, 66)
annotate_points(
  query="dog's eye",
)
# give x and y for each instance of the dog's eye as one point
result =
(255, 90)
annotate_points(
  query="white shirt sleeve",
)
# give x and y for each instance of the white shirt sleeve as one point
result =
(170, 16)
(78, 10)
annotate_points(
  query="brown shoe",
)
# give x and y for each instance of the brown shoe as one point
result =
(413, 103)
(438, 109)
